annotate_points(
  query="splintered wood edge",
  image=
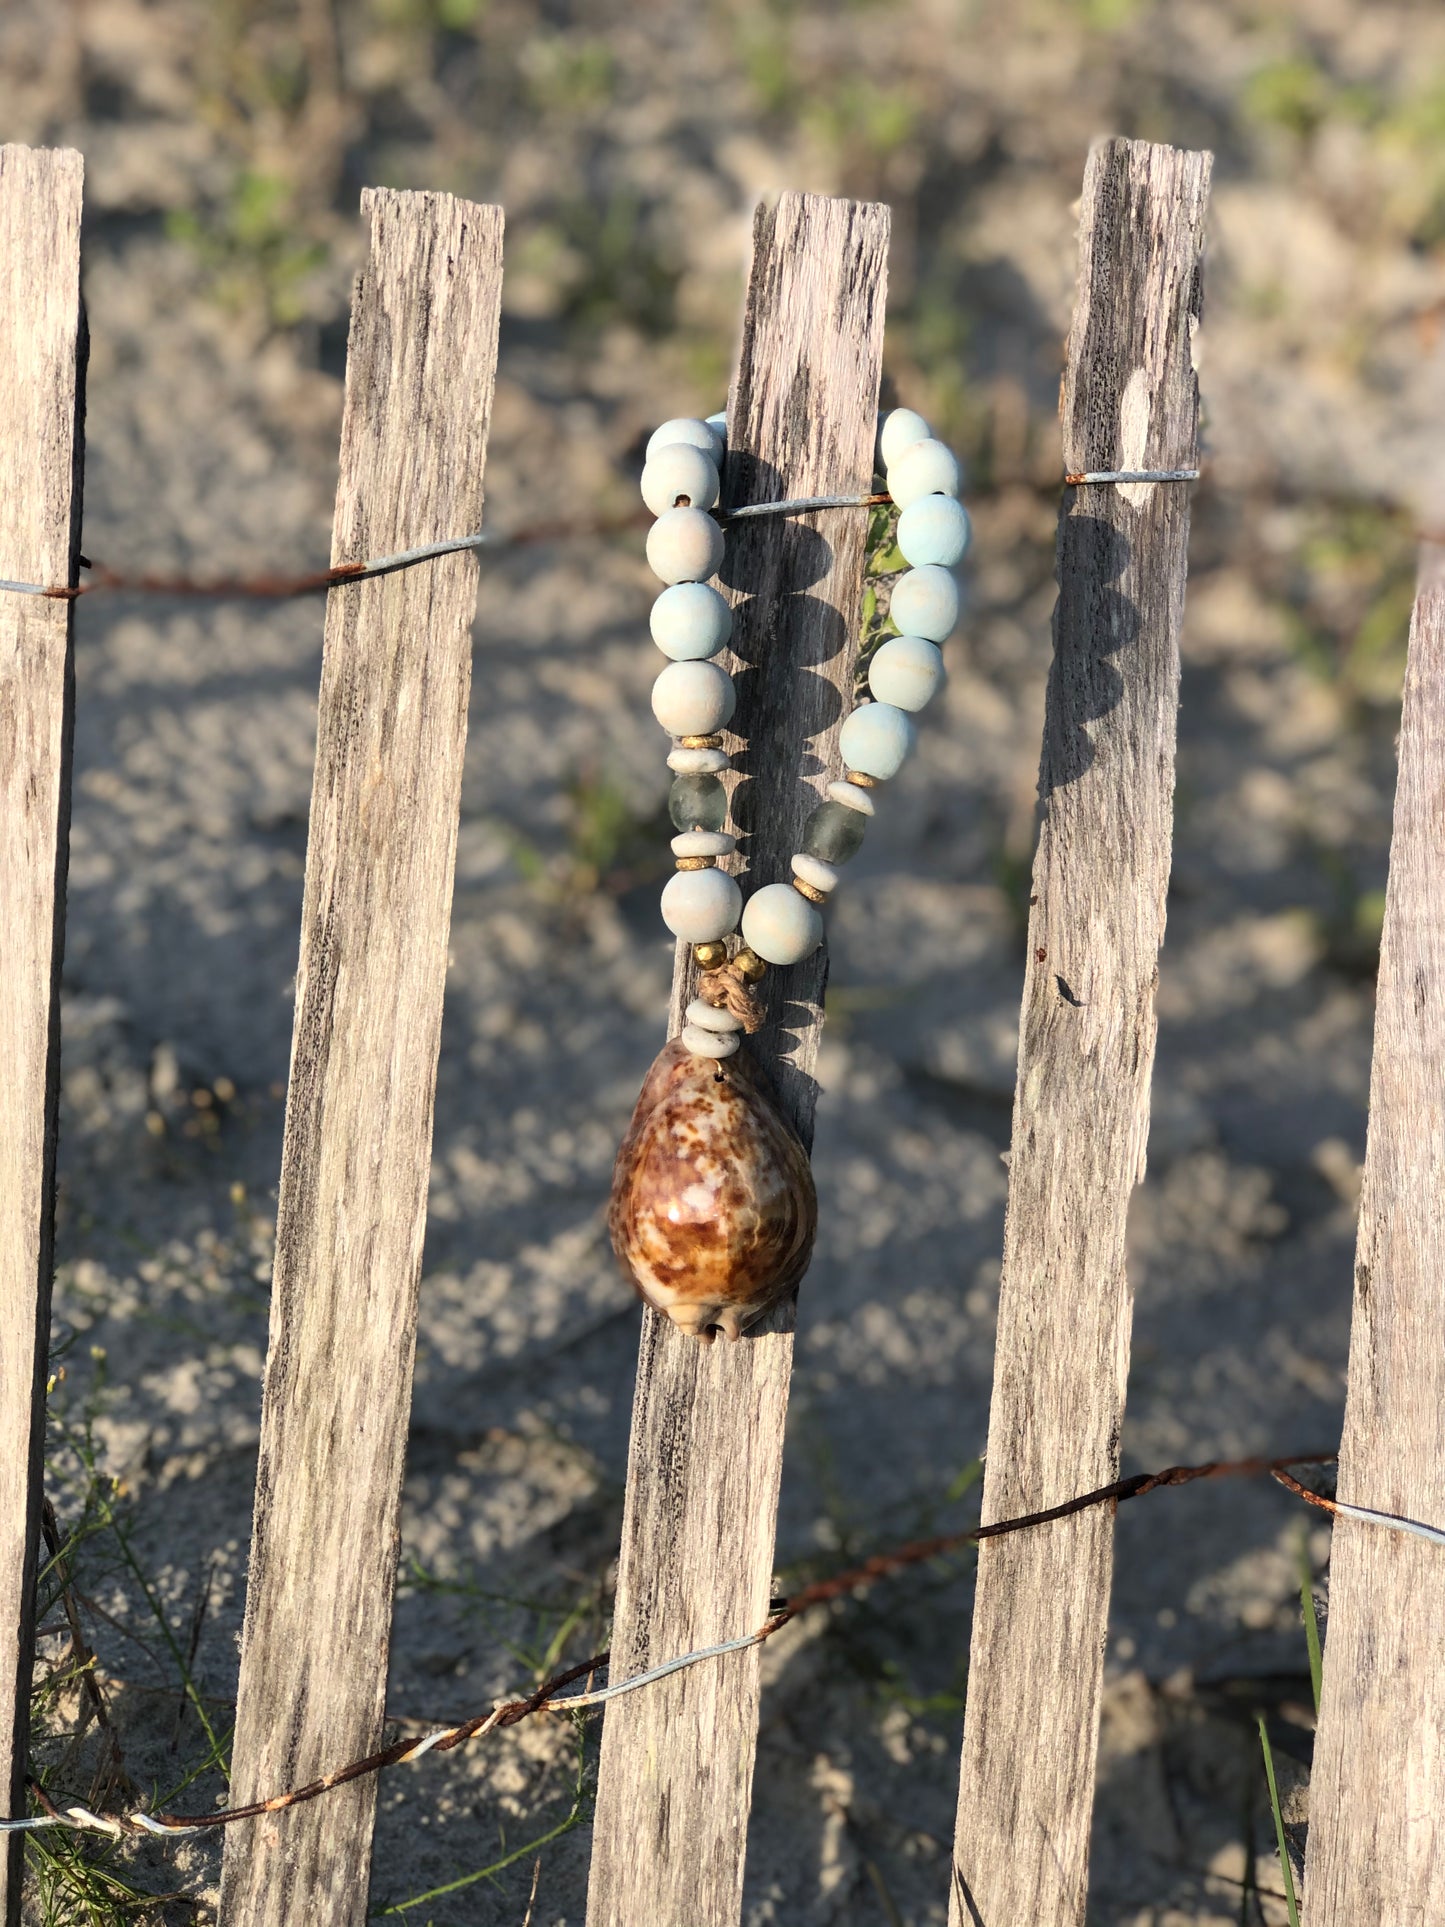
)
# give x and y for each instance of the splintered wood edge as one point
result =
(675, 1778)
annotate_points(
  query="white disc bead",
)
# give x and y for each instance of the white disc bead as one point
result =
(701, 905)
(906, 672)
(686, 428)
(710, 1017)
(698, 762)
(925, 602)
(899, 429)
(690, 621)
(935, 528)
(693, 698)
(678, 472)
(704, 843)
(876, 740)
(926, 468)
(853, 796)
(709, 1043)
(812, 869)
(779, 925)
(684, 545)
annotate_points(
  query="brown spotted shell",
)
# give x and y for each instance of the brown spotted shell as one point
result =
(713, 1210)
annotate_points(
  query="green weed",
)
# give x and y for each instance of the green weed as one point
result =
(1286, 1867)
(251, 248)
(1307, 1607)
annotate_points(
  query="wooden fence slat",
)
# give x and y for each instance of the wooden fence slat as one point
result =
(41, 402)
(1086, 1045)
(1377, 1789)
(707, 1428)
(384, 811)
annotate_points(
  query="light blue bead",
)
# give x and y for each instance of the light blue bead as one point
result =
(690, 622)
(906, 672)
(719, 425)
(686, 428)
(925, 603)
(876, 740)
(935, 528)
(924, 468)
(779, 925)
(899, 429)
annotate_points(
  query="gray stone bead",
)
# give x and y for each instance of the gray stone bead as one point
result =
(833, 832)
(697, 802)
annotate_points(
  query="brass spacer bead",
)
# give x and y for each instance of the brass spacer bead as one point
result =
(749, 966)
(809, 891)
(700, 742)
(710, 956)
(697, 863)
(863, 782)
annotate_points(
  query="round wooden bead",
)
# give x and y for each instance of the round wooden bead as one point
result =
(906, 672)
(926, 468)
(701, 905)
(697, 762)
(709, 1043)
(876, 740)
(925, 603)
(935, 528)
(834, 833)
(710, 1017)
(704, 843)
(812, 869)
(780, 926)
(899, 429)
(686, 428)
(698, 802)
(693, 698)
(684, 545)
(719, 425)
(690, 621)
(679, 472)
(855, 797)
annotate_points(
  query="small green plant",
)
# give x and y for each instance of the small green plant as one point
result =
(883, 561)
(578, 1814)
(1286, 1866)
(866, 121)
(1312, 1624)
(569, 74)
(611, 845)
(1293, 94)
(251, 248)
(77, 1744)
(611, 265)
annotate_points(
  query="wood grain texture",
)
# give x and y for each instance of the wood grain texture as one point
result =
(384, 809)
(1377, 1790)
(1086, 1045)
(41, 376)
(707, 1427)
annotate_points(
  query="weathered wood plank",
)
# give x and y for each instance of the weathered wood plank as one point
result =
(1377, 1790)
(707, 1426)
(393, 708)
(41, 401)
(1086, 1045)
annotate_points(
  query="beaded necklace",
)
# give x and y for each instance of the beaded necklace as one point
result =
(713, 1211)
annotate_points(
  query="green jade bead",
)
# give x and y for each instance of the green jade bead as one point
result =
(834, 832)
(697, 801)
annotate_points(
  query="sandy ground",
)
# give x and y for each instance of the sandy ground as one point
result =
(225, 149)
